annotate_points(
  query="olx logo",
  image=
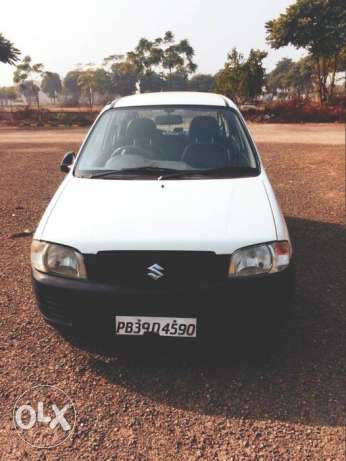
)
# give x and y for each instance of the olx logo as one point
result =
(44, 416)
(41, 418)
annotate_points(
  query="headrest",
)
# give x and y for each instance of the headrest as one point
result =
(141, 128)
(204, 128)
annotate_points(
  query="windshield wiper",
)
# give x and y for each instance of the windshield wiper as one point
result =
(229, 171)
(138, 170)
(170, 173)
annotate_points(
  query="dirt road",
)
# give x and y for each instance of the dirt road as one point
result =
(144, 408)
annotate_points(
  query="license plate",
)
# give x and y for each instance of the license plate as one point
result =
(163, 326)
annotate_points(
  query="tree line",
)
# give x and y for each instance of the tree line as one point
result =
(165, 64)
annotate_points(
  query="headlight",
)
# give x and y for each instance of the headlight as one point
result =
(260, 259)
(57, 259)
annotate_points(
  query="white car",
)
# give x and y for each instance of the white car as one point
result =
(165, 225)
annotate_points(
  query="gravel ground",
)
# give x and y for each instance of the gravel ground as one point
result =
(131, 407)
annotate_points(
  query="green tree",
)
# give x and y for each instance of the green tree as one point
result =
(242, 79)
(151, 82)
(302, 77)
(24, 76)
(7, 94)
(145, 56)
(88, 86)
(318, 26)
(278, 81)
(227, 80)
(29, 90)
(51, 85)
(178, 81)
(292, 79)
(253, 75)
(8, 53)
(103, 82)
(176, 57)
(163, 56)
(71, 86)
(202, 82)
(123, 75)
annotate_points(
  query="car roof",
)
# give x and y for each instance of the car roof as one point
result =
(190, 98)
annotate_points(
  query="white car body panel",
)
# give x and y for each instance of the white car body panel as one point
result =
(218, 215)
(175, 98)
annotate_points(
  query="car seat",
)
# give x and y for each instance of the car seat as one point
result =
(205, 149)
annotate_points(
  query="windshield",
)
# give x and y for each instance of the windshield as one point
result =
(150, 141)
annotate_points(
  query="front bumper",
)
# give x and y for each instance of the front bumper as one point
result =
(76, 303)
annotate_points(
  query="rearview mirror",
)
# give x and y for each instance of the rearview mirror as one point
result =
(169, 119)
(67, 162)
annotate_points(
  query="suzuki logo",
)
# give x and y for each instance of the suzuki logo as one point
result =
(155, 272)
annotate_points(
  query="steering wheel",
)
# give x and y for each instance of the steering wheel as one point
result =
(132, 149)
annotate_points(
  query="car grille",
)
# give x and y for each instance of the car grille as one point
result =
(156, 269)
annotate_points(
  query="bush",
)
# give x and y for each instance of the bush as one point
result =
(65, 118)
(71, 102)
(73, 118)
(295, 111)
(81, 120)
(32, 117)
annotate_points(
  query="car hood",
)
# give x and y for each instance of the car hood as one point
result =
(218, 215)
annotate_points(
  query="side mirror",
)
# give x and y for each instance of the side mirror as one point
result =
(67, 162)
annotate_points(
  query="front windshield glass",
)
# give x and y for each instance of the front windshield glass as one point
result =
(172, 139)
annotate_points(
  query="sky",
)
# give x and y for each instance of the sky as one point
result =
(64, 33)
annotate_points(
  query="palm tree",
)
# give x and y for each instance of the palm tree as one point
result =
(8, 53)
